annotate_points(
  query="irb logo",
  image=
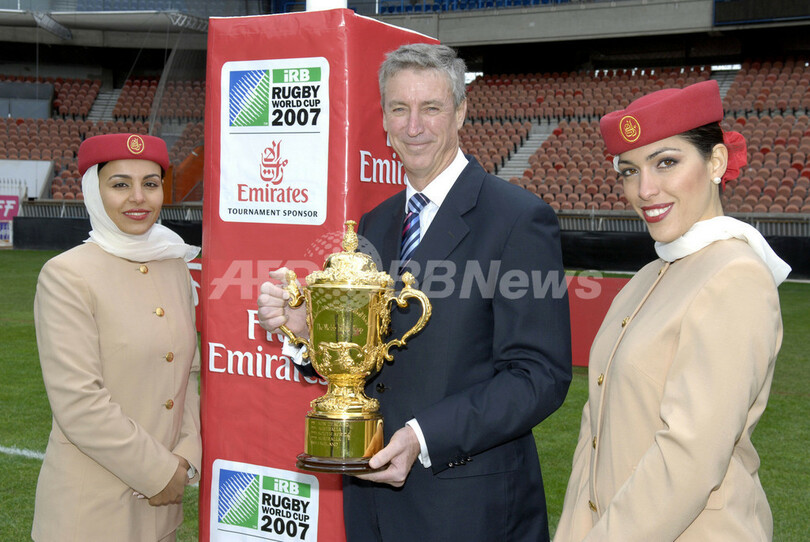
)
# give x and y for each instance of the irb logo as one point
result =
(248, 98)
(262, 503)
(288, 486)
(238, 499)
(297, 75)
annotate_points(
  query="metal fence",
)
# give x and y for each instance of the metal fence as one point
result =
(768, 224)
(190, 212)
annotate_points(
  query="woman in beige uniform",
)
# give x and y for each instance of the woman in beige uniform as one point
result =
(118, 348)
(681, 368)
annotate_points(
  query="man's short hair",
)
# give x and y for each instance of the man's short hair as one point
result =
(425, 56)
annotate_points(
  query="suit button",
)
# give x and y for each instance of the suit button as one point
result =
(592, 506)
(170, 357)
(159, 311)
(143, 269)
(594, 442)
(450, 465)
(600, 379)
(625, 321)
(169, 404)
(381, 387)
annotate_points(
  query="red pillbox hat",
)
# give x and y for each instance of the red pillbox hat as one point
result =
(661, 114)
(105, 148)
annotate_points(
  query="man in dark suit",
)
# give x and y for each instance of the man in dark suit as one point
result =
(493, 361)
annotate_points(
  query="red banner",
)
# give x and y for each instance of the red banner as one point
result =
(589, 298)
(9, 208)
(294, 147)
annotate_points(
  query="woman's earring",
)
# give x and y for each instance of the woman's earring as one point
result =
(716, 180)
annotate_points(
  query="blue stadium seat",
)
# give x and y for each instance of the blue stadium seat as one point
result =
(89, 5)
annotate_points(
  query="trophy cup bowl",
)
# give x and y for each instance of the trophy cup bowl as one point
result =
(348, 307)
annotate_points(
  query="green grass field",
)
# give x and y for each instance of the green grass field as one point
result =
(782, 436)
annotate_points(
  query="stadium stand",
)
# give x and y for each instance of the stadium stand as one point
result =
(180, 100)
(135, 99)
(549, 96)
(767, 101)
(192, 137)
(73, 97)
(768, 87)
(58, 138)
(532, 113)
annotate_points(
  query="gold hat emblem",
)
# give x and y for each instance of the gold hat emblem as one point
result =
(135, 144)
(630, 129)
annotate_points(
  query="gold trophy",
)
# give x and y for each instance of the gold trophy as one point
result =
(348, 315)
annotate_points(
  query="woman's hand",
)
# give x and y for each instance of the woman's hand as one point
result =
(173, 492)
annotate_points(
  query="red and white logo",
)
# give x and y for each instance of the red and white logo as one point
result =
(9, 207)
(272, 166)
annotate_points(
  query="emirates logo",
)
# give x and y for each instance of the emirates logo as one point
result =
(272, 166)
(630, 129)
(135, 144)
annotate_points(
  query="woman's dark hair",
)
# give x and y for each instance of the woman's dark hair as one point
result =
(705, 138)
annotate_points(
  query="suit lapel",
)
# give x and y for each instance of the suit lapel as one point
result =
(392, 237)
(449, 226)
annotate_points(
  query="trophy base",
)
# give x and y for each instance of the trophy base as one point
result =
(341, 445)
(334, 465)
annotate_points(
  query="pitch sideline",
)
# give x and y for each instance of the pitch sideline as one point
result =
(30, 454)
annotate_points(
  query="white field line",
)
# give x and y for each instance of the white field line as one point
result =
(30, 454)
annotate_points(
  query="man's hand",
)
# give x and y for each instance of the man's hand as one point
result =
(274, 310)
(399, 456)
(173, 492)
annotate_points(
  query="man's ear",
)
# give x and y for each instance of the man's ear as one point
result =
(461, 114)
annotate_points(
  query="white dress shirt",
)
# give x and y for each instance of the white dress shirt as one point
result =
(436, 191)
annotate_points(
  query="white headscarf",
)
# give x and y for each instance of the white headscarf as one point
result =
(706, 232)
(158, 243)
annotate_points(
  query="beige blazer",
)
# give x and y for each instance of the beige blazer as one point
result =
(119, 357)
(679, 375)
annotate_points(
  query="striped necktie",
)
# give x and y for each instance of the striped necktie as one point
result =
(410, 230)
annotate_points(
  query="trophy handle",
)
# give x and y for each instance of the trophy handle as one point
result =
(296, 298)
(402, 300)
